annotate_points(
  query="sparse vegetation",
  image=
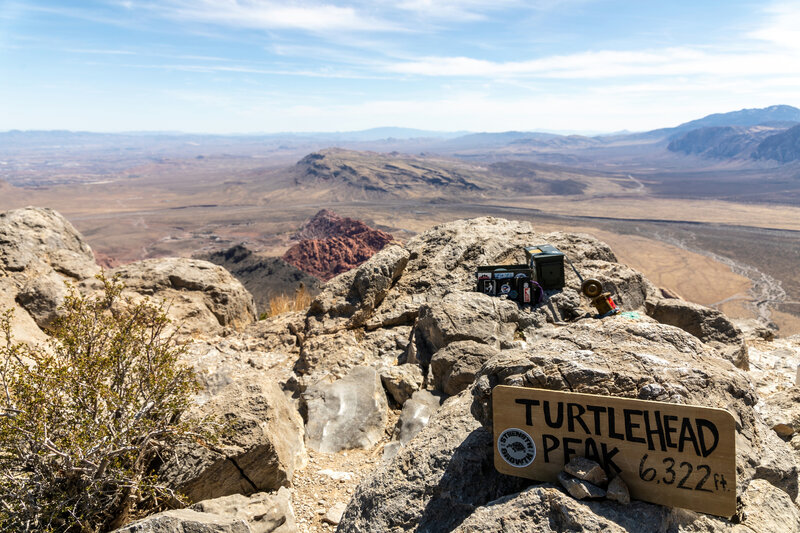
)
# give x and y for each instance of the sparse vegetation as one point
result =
(284, 303)
(83, 418)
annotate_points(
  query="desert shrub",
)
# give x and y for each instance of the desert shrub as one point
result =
(83, 419)
(283, 303)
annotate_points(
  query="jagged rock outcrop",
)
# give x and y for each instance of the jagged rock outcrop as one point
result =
(427, 284)
(201, 296)
(260, 449)
(331, 244)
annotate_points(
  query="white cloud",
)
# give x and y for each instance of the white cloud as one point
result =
(608, 64)
(782, 28)
(272, 15)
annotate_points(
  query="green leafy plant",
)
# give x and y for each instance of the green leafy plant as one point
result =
(84, 418)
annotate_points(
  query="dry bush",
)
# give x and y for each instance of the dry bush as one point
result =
(284, 303)
(83, 419)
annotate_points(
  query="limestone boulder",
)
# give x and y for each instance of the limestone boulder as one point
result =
(185, 521)
(444, 259)
(349, 300)
(709, 325)
(35, 236)
(465, 316)
(262, 512)
(349, 413)
(415, 415)
(455, 366)
(41, 297)
(283, 332)
(402, 381)
(201, 297)
(260, 447)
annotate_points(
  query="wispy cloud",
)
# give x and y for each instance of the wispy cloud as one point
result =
(782, 28)
(272, 15)
(606, 64)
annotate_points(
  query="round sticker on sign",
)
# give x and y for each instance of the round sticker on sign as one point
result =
(516, 447)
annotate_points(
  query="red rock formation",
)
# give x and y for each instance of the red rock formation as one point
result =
(331, 244)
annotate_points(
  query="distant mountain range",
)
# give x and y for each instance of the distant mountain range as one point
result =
(744, 135)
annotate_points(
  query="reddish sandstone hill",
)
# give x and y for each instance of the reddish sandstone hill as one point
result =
(331, 244)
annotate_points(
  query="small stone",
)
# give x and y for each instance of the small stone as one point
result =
(587, 470)
(334, 514)
(578, 488)
(784, 431)
(336, 476)
(618, 491)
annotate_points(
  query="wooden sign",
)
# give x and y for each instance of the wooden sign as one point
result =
(670, 454)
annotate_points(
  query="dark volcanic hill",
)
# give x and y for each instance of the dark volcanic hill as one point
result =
(332, 244)
(264, 277)
(370, 174)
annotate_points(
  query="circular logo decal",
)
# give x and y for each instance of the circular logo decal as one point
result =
(516, 447)
(505, 288)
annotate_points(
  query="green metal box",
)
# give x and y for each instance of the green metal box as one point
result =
(547, 263)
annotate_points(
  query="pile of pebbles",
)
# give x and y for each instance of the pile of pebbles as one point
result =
(584, 478)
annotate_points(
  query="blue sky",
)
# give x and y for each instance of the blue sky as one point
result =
(481, 65)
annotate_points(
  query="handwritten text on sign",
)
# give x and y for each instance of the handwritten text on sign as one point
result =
(671, 454)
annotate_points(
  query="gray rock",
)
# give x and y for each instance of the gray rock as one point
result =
(402, 381)
(35, 235)
(348, 413)
(415, 415)
(348, 300)
(282, 332)
(444, 259)
(331, 356)
(465, 316)
(186, 521)
(263, 512)
(260, 449)
(547, 509)
(42, 296)
(334, 514)
(454, 367)
(587, 470)
(23, 326)
(768, 509)
(782, 412)
(202, 297)
(708, 325)
(578, 488)
(618, 491)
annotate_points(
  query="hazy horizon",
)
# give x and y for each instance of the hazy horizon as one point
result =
(264, 67)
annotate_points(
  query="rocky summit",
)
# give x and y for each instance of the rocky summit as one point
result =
(389, 374)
